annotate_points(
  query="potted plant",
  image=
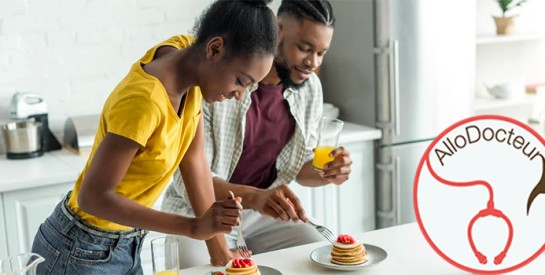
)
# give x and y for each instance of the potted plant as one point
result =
(504, 24)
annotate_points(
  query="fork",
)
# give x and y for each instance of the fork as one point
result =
(323, 230)
(241, 243)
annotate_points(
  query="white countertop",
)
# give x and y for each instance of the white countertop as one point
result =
(354, 133)
(51, 168)
(408, 253)
(63, 166)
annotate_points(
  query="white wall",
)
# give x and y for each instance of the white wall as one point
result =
(74, 52)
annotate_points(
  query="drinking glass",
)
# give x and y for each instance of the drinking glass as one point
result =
(328, 136)
(164, 255)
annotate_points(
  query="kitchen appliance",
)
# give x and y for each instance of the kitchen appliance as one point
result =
(30, 136)
(23, 139)
(79, 133)
(406, 67)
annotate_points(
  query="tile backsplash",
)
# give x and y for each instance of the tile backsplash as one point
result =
(74, 52)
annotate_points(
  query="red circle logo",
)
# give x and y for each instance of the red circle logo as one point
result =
(479, 194)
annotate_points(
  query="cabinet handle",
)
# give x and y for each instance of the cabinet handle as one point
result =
(394, 85)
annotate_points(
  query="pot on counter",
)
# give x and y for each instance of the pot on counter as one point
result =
(23, 139)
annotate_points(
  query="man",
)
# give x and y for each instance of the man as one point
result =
(259, 145)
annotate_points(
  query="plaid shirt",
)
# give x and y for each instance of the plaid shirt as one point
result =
(224, 126)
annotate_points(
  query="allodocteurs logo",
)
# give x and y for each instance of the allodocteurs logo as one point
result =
(477, 194)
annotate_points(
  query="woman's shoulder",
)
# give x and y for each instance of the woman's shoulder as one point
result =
(179, 41)
(176, 42)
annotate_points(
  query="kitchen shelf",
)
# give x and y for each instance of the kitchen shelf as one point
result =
(497, 39)
(482, 104)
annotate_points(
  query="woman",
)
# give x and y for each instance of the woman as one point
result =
(149, 125)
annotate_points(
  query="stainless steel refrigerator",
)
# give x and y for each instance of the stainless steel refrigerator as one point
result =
(406, 67)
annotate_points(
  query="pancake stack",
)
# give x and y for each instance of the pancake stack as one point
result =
(241, 267)
(348, 251)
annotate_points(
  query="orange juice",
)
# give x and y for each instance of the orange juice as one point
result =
(167, 272)
(321, 156)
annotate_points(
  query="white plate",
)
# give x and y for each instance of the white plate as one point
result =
(263, 270)
(322, 256)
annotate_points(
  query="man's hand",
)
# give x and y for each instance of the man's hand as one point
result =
(279, 203)
(235, 253)
(221, 217)
(338, 170)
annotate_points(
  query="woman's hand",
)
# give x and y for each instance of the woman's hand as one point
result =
(221, 217)
(235, 253)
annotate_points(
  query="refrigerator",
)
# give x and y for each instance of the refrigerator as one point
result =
(405, 67)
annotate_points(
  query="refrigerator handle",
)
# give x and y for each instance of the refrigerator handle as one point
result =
(394, 85)
(396, 189)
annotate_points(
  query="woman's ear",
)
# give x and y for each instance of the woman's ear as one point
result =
(215, 49)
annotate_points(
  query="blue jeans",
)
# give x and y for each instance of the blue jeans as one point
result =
(71, 246)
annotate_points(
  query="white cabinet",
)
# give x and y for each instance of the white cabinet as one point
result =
(3, 248)
(25, 210)
(350, 207)
(356, 211)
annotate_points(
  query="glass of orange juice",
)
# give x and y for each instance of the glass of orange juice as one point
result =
(328, 136)
(164, 256)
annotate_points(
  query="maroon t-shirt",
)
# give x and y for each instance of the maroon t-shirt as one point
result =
(269, 127)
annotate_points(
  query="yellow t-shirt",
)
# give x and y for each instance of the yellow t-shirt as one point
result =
(139, 109)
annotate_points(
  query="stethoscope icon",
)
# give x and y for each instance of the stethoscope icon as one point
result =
(488, 211)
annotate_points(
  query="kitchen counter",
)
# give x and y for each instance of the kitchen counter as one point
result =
(408, 253)
(30, 189)
(354, 132)
(64, 166)
(51, 168)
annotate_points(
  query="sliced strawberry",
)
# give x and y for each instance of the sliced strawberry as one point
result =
(241, 263)
(346, 239)
(249, 262)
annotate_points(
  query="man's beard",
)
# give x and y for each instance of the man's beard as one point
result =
(285, 77)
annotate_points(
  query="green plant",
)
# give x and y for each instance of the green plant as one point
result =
(506, 5)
